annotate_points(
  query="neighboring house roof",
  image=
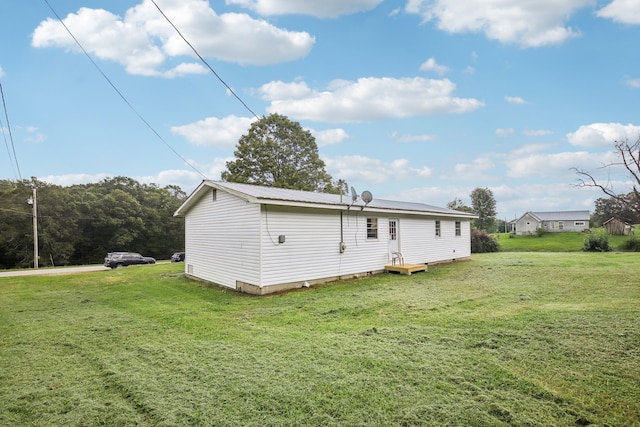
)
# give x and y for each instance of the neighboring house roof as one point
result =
(613, 218)
(558, 216)
(287, 197)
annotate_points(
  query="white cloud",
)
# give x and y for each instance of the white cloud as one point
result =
(374, 171)
(329, 136)
(431, 65)
(476, 170)
(223, 133)
(73, 179)
(554, 164)
(320, 9)
(634, 83)
(624, 11)
(144, 42)
(526, 23)
(409, 138)
(538, 132)
(603, 134)
(366, 99)
(515, 100)
(504, 131)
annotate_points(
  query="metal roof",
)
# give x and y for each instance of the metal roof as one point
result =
(284, 196)
(563, 216)
(559, 216)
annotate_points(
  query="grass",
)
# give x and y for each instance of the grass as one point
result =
(506, 339)
(552, 242)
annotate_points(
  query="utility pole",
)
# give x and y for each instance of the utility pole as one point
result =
(32, 201)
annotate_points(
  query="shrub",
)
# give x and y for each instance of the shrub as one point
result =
(482, 242)
(540, 231)
(597, 242)
(631, 245)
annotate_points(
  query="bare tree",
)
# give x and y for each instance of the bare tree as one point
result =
(629, 158)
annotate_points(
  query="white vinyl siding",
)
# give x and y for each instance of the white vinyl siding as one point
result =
(420, 245)
(221, 240)
(312, 245)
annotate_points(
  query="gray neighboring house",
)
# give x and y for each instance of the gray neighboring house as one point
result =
(261, 240)
(552, 222)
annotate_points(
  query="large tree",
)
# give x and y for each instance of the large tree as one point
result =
(484, 205)
(628, 155)
(277, 152)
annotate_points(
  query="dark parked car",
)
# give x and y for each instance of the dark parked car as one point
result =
(122, 259)
(177, 257)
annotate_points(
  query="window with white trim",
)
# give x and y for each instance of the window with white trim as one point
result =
(579, 223)
(438, 232)
(458, 228)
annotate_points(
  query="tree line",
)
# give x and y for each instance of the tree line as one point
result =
(80, 224)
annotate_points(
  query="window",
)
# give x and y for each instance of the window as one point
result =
(579, 223)
(438, 228)
(372, 228)
(393, 230)
(214, 194)
(561, 225)
(458, 228)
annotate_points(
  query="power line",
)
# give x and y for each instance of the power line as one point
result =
(205, 62)
(6, 115)
(126, 101)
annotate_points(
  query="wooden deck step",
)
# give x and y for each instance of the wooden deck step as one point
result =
(406, 268)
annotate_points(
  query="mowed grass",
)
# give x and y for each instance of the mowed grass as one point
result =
(506, 339)
(553, 242)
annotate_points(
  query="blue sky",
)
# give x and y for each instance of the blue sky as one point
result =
(415, 100)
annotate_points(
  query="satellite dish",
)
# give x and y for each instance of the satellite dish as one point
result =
(354, 195)
(367, 197)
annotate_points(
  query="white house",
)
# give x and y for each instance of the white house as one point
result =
(552, 222)
(261, 240)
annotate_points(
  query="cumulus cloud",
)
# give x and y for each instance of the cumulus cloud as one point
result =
(624, 11)
(603, 134)
(478, 169)
(329, 136)
(528, 24)
(634, 83)
(146, 44)
(74, 179)
(431, 65)
(320, 9)
(504, 131)
(375, 171)
(515, 100)
(222, 133)
(553, 164)
(366, 99)
(409, 138)
(538, 132)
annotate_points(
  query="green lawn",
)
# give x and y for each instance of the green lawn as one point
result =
(506, 339)
(551, 242)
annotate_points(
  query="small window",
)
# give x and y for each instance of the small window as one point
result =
(458, 228)
(579, 223)
(372, 228)
(393, 230)
(437, 228)
(214, 194)
(560, 225)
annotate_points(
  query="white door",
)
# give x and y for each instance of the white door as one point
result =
(394, 246)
